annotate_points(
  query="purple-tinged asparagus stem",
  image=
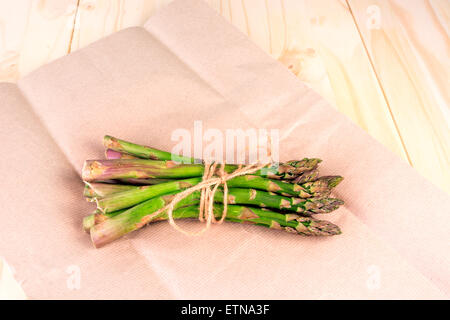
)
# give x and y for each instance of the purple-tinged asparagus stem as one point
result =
(138, 168)
(94, 170)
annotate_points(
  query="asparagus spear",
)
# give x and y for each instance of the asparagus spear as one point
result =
(306, 176)
(145, 182)
(140, 151)
(321, 187)
(111, 154)
(134, 218)
(314, 189)
(110, 205)
(260, 198)
(138, 168)
(95, 189)
(109, 200)
(97, 217)
(128, 198)
(94, 170)
(137, 217)
(266, 199)
(289, 222)
(145, 152)
(302, 166)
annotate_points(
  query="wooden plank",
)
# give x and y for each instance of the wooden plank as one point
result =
(319, 42)
(9, 287)
(33, 33)
(307, 36)
(408, 43)
(99, 18)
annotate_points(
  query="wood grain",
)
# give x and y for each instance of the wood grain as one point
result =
(99, 18)
(319, 42)
(33, 33)
(383, 63)
(9, 287)
(409, 47)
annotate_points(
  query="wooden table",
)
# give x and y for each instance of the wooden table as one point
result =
(384, 63)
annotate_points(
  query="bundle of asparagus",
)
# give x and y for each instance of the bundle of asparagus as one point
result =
(136, 181)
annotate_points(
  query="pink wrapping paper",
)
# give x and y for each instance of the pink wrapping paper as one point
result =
(140, 84)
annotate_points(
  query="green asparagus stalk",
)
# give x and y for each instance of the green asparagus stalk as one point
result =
(306, 207)
(294, 223)
(97, 217)
(144, 182)
(149, 185)
(140, 151)
(90, 221)
(308, 176)
(100, 190)
(320, 187)
(128, 198)
(137, 217)
(138, 168)
(94, 170)
(111, 154)
(260, 198)
(266, 199)
(134, 218)
(313, 189)
(144, 152)
(110, 200)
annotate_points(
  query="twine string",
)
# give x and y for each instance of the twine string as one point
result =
(208, 188)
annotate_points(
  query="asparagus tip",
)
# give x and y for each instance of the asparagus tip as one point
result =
(324, 228)
(334, 181)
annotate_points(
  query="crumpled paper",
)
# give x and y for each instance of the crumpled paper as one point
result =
(140, 84)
